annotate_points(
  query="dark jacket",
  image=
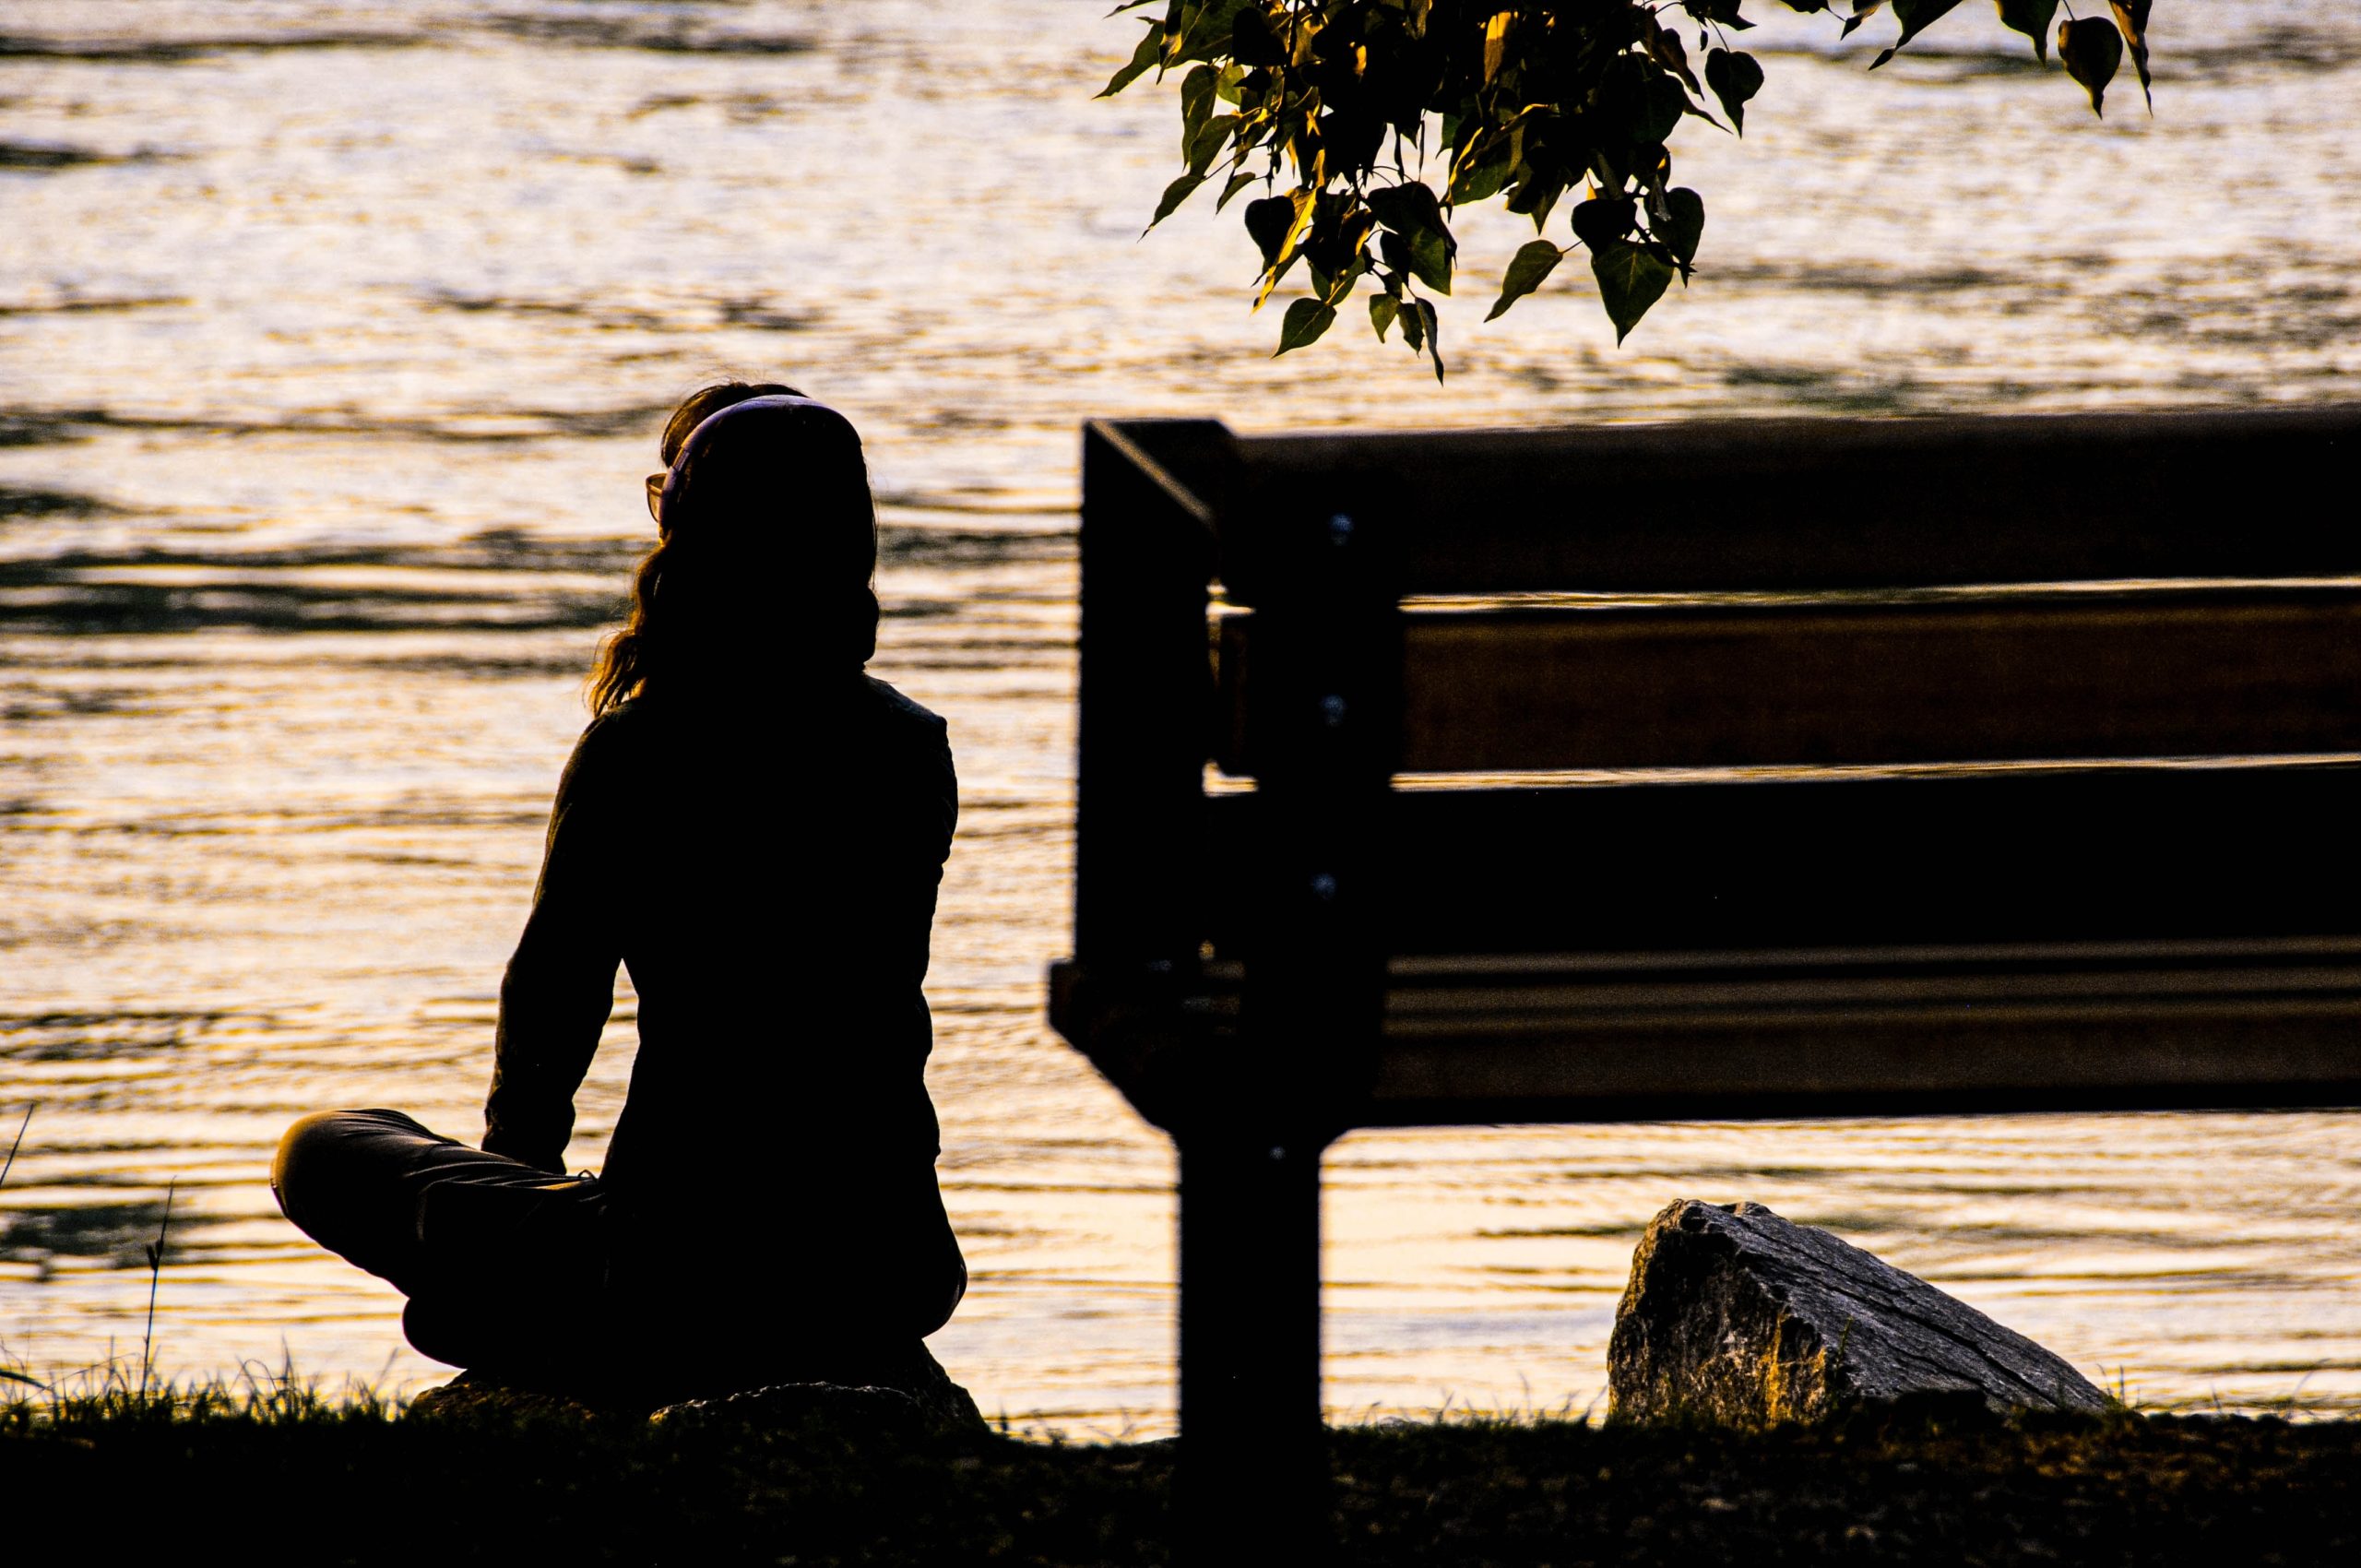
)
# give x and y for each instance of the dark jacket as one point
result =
(770, 883)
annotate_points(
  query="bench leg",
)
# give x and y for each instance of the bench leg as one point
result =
(1254, 1468)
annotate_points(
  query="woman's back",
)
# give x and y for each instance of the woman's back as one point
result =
(770, 881)
(775, 927)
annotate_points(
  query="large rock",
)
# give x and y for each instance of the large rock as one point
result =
(1736, 1315)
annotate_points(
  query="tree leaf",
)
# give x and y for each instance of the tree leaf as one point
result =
(1602, 220)
(1681, 224)
(1196, 100)
(1417, 241)
(1305, 321)
(1425, 310)
(1302, 204)
(1862, 11)
(1527, 269)
(1180, 18)
(1270, 221)
(1918, 16)
(1414, 325)
(2031, 17)
(1211, 138)
(1479, 178)
(2131, 16)
(1537, 196)
(1407, 207)
(1736, 77)
(2092, 49)
(1724, 12)
(1664, 47)
(1430, 254)
(1237, 182)
(1496, 40)
(1176, 193)
(1251, 41)
(1631, 279)
(1662, 103)
(1143, 60)
(1383, 309)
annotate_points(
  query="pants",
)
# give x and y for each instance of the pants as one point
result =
(505, 1266)
(543, 1280)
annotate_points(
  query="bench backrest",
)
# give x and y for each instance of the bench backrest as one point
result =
(1737, 768)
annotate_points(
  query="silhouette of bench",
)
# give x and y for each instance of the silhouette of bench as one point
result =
(1757, 770)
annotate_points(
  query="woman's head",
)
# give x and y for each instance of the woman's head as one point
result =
(766, 542)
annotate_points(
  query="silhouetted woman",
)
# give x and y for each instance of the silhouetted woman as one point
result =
(757, 828)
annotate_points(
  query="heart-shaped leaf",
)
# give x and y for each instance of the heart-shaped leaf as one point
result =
(1533, 263)
(1631, 279)
(1661, 104)
(1602, 220)
(1430, 255)
(1251, 41)
(1270, 221)
(2031, 17)
(1408, 208)
(1305, 321)
(1681, 223)
(1736, 77)
(1916, 17)
(2092, 49)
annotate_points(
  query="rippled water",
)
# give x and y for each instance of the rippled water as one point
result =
(333, 343)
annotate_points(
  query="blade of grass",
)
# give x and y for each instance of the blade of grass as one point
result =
(155, 1277)
(11, 1163)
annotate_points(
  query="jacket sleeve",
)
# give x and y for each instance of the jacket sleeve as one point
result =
(560, 984)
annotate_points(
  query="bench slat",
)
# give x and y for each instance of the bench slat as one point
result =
(2083, 854)
(2232, 672)
(1808, 504)
(1597, 1037)
(2126, 1053)
(2122, 1024)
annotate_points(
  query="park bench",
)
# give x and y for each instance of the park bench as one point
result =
(1746, 769)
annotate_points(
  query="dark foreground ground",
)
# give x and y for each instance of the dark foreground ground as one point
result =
(293, 1479)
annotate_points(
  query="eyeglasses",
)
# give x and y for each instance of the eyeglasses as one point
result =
(656, 496)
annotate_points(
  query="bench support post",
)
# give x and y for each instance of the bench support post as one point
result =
(1254, 1471)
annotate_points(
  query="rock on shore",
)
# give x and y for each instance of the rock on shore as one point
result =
(1736, 1315)
(921, 1398)
(903, 1394)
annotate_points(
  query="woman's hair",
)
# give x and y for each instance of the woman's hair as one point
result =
(706, 401)
(766, 542)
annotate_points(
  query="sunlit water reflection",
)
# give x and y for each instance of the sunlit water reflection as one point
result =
(333, 338)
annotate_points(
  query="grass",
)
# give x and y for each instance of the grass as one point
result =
(359, 1480)
(304, 1477)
